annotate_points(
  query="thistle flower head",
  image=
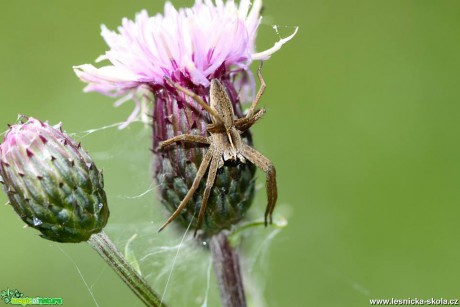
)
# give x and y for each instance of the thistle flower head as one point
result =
(51, 182)
(190, 46)
(190, 43)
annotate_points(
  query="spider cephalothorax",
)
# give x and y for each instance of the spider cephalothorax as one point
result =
(225, 144)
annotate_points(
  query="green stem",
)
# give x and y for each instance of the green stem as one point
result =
(104, 246)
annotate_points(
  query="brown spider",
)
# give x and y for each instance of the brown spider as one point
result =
(225, 144)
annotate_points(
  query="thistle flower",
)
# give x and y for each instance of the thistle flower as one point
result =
(189, 46)
(51, 182)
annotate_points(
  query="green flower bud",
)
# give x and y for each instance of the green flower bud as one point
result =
(51, 182)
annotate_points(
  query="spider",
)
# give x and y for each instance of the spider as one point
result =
(225, 144)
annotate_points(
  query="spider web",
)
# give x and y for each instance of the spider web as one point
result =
(173, 262)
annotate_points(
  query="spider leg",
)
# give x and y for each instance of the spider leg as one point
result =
(196, 182)
(215, 128)
(245, 123)
(207, 191)
(259, 93)
(267, 166)
(195, 97)
(184, 138)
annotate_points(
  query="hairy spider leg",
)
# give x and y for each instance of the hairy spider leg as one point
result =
(192, 138)
(259, 93)
(241, 124)
(207, 191)
(197, 98)
(267, 166)
(196, 182)
(245, 123)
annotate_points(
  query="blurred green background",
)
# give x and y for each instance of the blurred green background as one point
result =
(362, 125)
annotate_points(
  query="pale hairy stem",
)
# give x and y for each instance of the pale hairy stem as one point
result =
(104, 246)
(228, 273)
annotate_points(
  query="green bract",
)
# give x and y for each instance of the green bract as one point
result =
(51, 182)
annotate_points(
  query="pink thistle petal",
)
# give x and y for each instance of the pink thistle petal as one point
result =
(191, 43)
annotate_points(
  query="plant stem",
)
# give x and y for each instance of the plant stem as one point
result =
(104, 246)
(227, 268)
